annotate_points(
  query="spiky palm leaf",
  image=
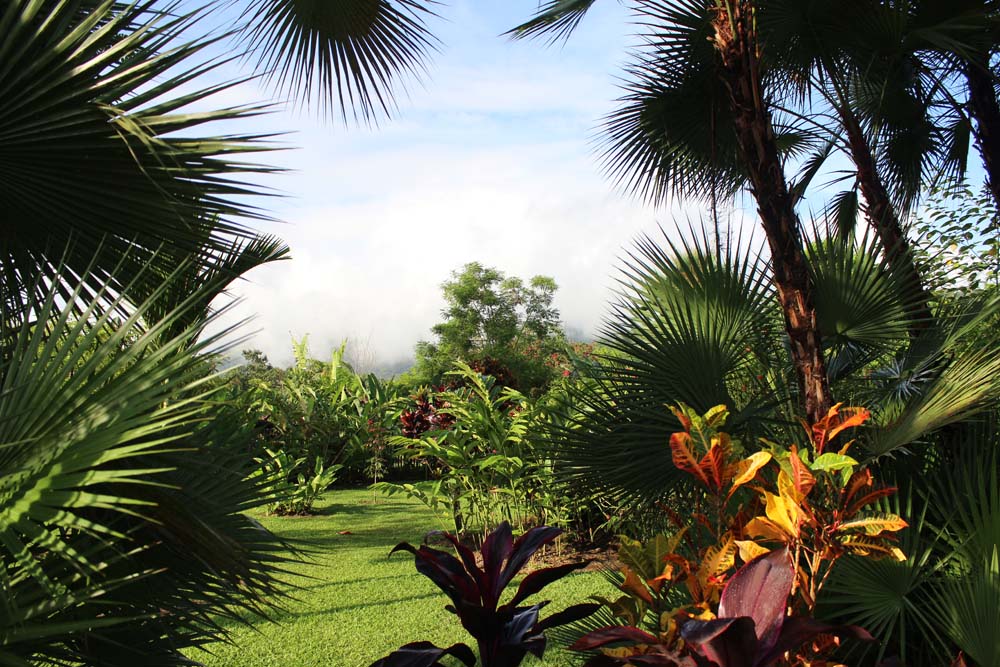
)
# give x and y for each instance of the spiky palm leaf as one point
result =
(350, 53)
(96, 145)
(674, 131)
(893, 600)
(556, 19)
(695, 324)
(121, 490)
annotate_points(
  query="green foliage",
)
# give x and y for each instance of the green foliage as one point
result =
(294, 492)
(493, 318)
(319, 410)
(485, 466)
(123, 487)
(959, 240)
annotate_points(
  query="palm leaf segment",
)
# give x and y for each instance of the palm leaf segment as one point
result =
(122, 492)
(95, 145)
(695, 324)
(351, 51)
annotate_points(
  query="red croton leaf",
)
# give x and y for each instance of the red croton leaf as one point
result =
(684, 458)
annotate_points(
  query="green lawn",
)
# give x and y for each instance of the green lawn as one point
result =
(356, 604)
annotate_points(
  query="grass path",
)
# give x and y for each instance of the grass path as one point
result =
(355, 605)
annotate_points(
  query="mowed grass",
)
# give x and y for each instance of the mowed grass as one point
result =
(355, 605)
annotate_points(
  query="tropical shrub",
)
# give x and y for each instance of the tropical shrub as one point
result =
(505, 633)
(485, 468)
(294, 492)
(789, 515)
(496, 324)
(752, 629)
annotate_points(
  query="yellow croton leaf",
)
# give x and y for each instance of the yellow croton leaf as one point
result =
(866, 546)
(788, 489)
(750, 550)
(716, 562)
(874, 525)
(783, 510)
(745, 471)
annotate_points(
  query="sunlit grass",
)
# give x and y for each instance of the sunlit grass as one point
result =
(355, 604)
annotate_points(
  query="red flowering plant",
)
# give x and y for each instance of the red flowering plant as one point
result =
(787, 514)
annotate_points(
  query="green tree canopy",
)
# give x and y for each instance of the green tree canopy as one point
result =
(494, 320)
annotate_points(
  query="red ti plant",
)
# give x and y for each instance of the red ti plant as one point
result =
(504, 633)
(752, 628)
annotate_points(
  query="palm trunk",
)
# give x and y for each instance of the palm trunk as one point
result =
(985, 110)
(882, 217)
(736, 42)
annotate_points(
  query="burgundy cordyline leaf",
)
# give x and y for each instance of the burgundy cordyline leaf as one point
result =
(539, 579)
(611, 634)
(760, 590)
(444, 570)
(726, 642)
(425, 654)
(524, 549)
(497, 548)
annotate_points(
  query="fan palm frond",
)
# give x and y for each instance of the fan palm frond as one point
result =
(350, 53)
(97, 146)
(945, 376)
(122, 491)
(694, 324)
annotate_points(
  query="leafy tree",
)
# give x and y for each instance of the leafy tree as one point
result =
(492, 318)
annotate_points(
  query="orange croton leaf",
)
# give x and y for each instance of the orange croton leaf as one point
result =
(860, 481)
(684, 458)
(635, 586)
(801, 477)
(714, 463)
(836, 420)
(682, 417)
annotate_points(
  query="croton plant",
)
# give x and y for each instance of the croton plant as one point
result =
(787, 513)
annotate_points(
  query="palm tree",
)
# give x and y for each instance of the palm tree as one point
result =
(735, 71)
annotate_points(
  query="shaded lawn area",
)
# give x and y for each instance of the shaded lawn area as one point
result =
(358, 605)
